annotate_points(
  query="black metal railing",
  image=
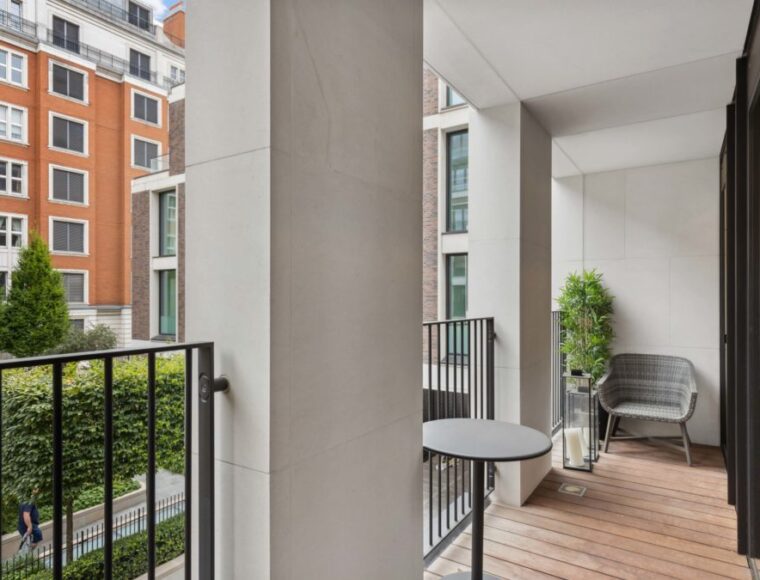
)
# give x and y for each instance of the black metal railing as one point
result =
(18, 24)
(92, 538)
(458, 381)
(207, 385)
(100, 57)
(558, 367)
(117, 14)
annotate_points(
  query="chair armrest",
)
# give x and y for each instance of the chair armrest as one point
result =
(607, 391)
(689, 401)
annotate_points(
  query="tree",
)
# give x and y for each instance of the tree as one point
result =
(586, 307)
(35, 317)
(27, 423)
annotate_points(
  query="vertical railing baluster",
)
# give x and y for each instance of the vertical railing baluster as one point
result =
(57, 471)
(151, 476)
(206, 463)
(188, 460)
(456, 414)
(108, 466)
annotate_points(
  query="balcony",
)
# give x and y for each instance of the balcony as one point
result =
(101, 58)
(18, 25)
(117, 14)
(160, 163)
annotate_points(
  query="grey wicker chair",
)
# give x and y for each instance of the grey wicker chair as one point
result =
(651, 388)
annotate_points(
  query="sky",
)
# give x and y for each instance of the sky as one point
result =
(159, 7)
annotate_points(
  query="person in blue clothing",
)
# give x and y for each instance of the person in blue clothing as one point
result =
(29, 520)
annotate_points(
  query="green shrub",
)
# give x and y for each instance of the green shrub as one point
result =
(586, 307)
(130, 555)
(28, 421)
(99, 337)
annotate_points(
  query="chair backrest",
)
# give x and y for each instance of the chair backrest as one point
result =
(652, 368)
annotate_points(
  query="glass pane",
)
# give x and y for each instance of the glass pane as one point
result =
(60, 133)
(453, 98)
(76, 85)
(3, 285)
(457, 283)
(458, 180)
(76, 187)
(168, 224)
(167, 323)
(76, 137)
(17, 64)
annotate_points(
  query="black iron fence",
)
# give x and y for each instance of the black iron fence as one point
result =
(92, 537)
(118, 14)
(203, 353)
(458, 381)
(558, 367)
(18, 24)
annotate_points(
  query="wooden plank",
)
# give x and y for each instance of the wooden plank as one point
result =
(647, 556)
(457, 559)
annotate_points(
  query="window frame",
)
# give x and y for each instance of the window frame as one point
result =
(86, 138)
(447, 136)
(24, 178)
(86, 293)
(9, 231)
(448, 259)
(139, 75)
(67, 43)
(133, 138)
(51, 168)
(159, 108)
(24, 84)
(160, 195)
(141, 6)
(159, 275)
(85, 87)
(55, 218)
(447, 93)
(24, 125)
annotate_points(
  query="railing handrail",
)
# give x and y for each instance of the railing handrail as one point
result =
(116, 13)
(45, 360)
(27, 28)
(452, 320)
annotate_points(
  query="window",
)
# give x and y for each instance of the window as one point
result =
(65, 34)
(456, 293)
(139, 64)
(167, 224)
(139, 16)
(453, 98)
(177, 74)
(167, 302)
(67, 82)
(68, 185)
(11, 231)
(457, 180)
(143, 152)
(69, 134)
(145, 108)
(12, 67)
(12, 123)
(456, 302)
(77, 323)
(74, 287)
(12, 177)
(4, 286)
(68, 236)
(15, 12)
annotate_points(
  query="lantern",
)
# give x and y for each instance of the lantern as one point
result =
(580, 430)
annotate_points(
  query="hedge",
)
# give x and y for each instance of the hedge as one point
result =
(130, 555)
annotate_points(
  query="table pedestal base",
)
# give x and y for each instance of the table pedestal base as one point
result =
(467, 576)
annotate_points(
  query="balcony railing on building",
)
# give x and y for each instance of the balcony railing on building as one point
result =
(18, 24)
(558, 368)
(100, 57)
(118, 14)
(64, 370)
(160, 163)
(458, 381)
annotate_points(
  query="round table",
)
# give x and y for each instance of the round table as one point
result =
(481, 441)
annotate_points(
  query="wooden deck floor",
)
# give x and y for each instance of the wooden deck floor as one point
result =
(645, 514)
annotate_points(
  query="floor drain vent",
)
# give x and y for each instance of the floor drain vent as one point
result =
(572, 489)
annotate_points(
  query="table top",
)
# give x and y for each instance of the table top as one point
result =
(484, 440)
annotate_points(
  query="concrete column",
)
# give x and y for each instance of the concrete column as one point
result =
(304, 262)
(510, 271)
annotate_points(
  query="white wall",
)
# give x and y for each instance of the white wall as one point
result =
(510, 271)
(304, 183)
(653, 233)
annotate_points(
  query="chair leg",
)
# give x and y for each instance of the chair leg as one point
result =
(608, 433)
(686, 442)
(615, 426)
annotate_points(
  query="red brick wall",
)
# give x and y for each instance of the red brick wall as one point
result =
(141, 265)
(429, 92)
(177, 137)
(430, 225)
